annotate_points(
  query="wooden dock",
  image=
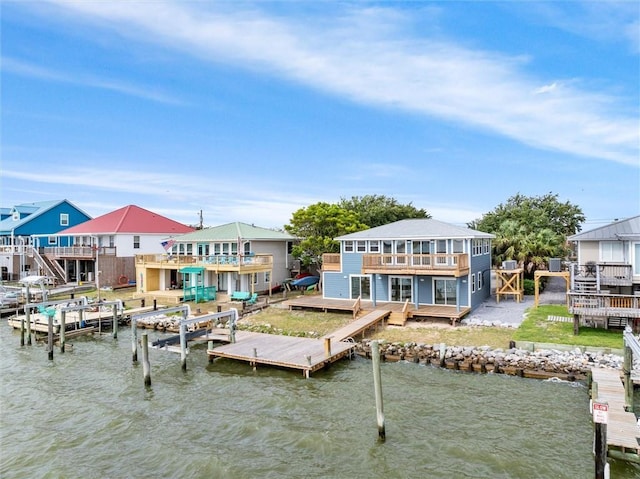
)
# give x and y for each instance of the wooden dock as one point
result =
(360, 325)
(305, 354)
(623, 432)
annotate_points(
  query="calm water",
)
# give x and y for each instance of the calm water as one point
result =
(87, 414)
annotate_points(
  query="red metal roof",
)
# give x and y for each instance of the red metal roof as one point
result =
(129, 219)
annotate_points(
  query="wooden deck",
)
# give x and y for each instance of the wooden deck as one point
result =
(305, 354)
(364, 307)
(623, 433)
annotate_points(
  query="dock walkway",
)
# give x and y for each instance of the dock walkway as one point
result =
(360, 325)
(623, 432)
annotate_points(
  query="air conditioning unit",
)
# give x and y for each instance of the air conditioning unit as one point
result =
(509, 265)
(555, 265)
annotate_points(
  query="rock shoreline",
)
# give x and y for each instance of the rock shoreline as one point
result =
(574, 365)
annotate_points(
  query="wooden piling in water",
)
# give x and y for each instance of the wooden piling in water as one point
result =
(134, 340)
(27, 315)
(377, 384)
(146, 366)
(327, 347)
(183, 346)
(50, 335)
(115, 321)
(63, 326)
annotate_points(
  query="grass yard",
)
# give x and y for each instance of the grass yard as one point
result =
(536, 328)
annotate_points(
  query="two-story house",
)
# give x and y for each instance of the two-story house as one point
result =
(605, 280)
(25, 229)
(104, 249)
(215, 262)
(434, 268)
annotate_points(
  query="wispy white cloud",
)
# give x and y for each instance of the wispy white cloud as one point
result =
(19, 67)
(380, 64)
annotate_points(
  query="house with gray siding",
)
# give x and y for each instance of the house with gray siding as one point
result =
(421, 262)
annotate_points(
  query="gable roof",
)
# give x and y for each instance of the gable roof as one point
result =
(129, 219)
(416, 229)
(618, 230)
(233, 232)
(30, 211)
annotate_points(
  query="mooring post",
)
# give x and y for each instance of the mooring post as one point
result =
(155, 304)
(22, 331)
(183, 346)
(50, 335)
(209, 348)
(134, 340)
(628, 383)
(377, 384)
(146, 366)
(255, 355)
(115, 322)
(63, 326)
(443, 352)
(600, 450)
(27, 316)
(327, 347)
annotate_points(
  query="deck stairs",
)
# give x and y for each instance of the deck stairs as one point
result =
(50, 267)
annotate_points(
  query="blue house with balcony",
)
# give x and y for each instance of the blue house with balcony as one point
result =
(427, 267)
(26, 228)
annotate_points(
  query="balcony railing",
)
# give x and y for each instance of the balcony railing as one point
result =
(606, 274)
(597, 304)
(211, 262)
(453, 264)
(78, 252)
(331, 262)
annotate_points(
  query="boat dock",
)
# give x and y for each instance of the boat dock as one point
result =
(305, 354)
(623, 432)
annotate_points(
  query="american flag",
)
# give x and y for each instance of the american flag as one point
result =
(167, 245)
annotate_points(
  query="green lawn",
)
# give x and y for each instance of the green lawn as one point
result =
(537, 329)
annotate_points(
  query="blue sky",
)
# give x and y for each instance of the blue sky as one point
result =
(248, 111)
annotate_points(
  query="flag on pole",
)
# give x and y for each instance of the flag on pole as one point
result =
(168, 244)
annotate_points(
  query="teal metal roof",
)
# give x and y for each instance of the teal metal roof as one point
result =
(232, 232)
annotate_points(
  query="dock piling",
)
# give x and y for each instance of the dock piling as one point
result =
(63, 326)
(146, 366)
(377, 383)
(115, 321)
(50, 336)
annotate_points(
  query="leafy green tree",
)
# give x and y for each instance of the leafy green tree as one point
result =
(378, 210)
(531, 229)
(317, 225)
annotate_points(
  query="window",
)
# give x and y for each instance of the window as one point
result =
(348, 246)
(52, 240)
(361, 246)
(458, 246)
(254, 278)
(246, 248)
(15, 216)
(477, 247)
(267, 277)
(64, 219)
(473, 283)
(480, 280)
(611, 252)
(136, 242)
(401, 249)
(487, 246)
(374, 246)
(112, 241)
